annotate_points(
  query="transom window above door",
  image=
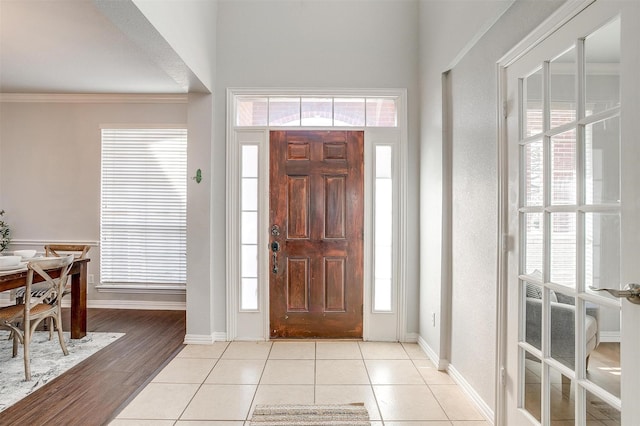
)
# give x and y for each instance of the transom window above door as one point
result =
(380, 114)
(320, 111)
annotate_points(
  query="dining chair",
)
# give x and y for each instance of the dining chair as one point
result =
(79, 251)
(22, 320)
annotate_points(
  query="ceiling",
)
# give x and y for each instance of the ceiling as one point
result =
(70, 46)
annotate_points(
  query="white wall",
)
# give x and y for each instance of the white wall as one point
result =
(50, 171)
(317, 44)
(474, 196)
(447, 30)
(189, 26)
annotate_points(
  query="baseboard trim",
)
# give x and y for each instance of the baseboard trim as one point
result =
(205, 339)
(131, 304)
(199, 339)
(482, 406)
(610, 336)
(441, 364)
(411, 337)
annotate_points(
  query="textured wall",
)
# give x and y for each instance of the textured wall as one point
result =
(50, 170)
(474, 196)
(447, 29)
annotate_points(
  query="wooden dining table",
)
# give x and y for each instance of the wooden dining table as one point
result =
(78, 275)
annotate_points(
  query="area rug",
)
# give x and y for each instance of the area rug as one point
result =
(311, 415)
(47, 361)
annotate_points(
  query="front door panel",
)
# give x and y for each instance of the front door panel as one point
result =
(316, 217)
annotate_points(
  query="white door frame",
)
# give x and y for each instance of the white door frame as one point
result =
(564, 14)
(376, 325)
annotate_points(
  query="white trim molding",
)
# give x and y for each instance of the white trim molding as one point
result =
(480, 404)
(555, 21)
(199, 339)
(610, 336)
(141, 289)
(441, 364)
(94, 98)
(243, 325)
(149, 305)
(42, 243)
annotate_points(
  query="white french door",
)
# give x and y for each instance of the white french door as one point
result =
(573, 213)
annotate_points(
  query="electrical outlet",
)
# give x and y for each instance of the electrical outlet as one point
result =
(433, 319)
(90, 279)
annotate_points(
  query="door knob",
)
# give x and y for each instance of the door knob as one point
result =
(275, 248)
(631, 292)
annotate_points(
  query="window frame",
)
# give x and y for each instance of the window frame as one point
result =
(377, 325)
(121, 286)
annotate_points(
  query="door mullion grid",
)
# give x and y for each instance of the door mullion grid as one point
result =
(545, 413)
(580, 310)
(521, 394)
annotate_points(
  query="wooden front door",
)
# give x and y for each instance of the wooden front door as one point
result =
(316, 219)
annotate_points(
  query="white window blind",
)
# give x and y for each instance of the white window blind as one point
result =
(143, 221)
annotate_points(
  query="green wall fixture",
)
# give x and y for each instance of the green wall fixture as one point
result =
(198, 176)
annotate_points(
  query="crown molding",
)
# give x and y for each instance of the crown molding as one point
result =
(99, 98)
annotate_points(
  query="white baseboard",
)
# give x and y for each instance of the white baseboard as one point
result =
(205, 339)
(610, 336)
(482, 406)
(441, 364)
(131, 304)
(199, 339)
(411, 337)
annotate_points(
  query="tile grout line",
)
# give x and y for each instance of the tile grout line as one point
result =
(255, 393)
(373, 392)
(201, 384)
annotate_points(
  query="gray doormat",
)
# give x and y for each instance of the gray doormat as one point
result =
(310, 415)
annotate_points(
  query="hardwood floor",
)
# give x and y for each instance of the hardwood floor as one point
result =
(94, 391)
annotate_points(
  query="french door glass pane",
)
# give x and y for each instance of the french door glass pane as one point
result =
(604, 359)
(602, 66)
(532, 385)
(563, 168)
(602, 162)
(602, 412)
(562, 88)
(533, 118)
(562, 398)
(533, 246)
(602, 250)
(533, 314)
(533, 174)
(562, 330)
(563, 248)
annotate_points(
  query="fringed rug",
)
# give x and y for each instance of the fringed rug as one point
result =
(47, 361)
(311, 415)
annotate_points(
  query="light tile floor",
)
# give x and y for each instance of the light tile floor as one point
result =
(220, 384)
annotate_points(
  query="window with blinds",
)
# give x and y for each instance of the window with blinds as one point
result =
(143, 218)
